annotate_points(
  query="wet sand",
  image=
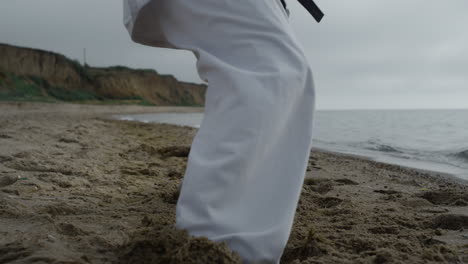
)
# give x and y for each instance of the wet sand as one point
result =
(97, 190)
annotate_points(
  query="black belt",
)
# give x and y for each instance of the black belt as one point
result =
(310, 6)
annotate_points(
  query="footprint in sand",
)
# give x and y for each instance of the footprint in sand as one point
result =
(450, 221)
(390, 195)
(38, 165)
(63, 209)
(389, 192)
(311, 167)
(5, 158)
(68, 229)
(142, 152)
(385, 229)
(68, 140)
(319, 185)
(416, 203)
(13, 252)
(174, 151)
(171, 195)
(174, 174)
(345, 181)
(327, 202)
(446, 197)
(5, 136)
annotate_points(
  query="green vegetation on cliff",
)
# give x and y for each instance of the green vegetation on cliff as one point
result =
(19, 89)
(36, 89)
(35, 75)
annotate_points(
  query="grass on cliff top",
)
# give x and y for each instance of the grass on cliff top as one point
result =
(13, 88)
(35, 89)
(97, 72)
(122, 68)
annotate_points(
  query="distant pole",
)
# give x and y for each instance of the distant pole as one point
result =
(84, 57)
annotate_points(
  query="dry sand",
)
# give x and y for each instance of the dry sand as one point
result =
(96, 190)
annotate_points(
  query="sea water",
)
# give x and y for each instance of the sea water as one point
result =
(435, 140)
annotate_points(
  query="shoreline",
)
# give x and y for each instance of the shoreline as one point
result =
(100, 190)
(110, 111)
(435, 174)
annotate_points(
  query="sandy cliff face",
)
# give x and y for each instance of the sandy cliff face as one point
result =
(53, 67)
(155, 88)
(57, 71)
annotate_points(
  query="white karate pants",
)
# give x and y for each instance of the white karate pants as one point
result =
(248, 160)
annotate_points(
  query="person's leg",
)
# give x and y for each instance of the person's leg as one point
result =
(248, 159)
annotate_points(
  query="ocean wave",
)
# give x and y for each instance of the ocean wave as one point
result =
(377, 146)
(387, 148)
(463, 155)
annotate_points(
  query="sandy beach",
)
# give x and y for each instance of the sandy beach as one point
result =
(97, 190)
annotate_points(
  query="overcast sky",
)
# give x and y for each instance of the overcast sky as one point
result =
(364, 54)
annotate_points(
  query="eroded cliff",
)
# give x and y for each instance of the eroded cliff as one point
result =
(32, 73)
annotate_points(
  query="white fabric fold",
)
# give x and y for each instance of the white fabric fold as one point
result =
(248, 160)
(142, 20)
